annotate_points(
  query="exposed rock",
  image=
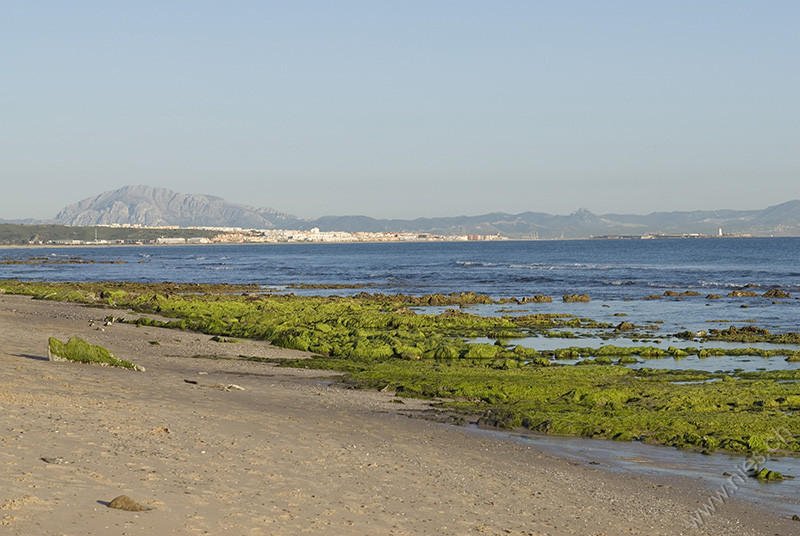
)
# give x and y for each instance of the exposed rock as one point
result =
(776, 293)
(742, 294)
(625, 326)
(538, 298)
(685, 293)
(450, 313)
(653, 297)
(713, 297)
(733, 331)
(123, 502)
(570, 298)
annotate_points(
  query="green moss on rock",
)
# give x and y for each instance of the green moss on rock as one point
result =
(81, 351)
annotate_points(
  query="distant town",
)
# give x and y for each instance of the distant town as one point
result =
(135, 234)
(233, 235)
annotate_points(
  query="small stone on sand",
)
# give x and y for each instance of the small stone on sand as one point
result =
(123, 502)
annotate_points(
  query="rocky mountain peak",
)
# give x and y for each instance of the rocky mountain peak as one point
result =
(154, 206)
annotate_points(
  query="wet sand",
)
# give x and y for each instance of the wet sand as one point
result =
(290, 453)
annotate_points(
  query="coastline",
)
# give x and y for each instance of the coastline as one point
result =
(624, 238)
(289, 453)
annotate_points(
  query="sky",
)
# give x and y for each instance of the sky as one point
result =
(403, 109)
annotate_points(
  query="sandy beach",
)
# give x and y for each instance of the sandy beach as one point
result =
(227, 446)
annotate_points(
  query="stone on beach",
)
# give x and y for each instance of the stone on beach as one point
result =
(123, 502)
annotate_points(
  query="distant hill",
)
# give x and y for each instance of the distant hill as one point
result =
(152, 206)
(779, 220)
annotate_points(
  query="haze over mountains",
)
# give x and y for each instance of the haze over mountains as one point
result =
(153, 206)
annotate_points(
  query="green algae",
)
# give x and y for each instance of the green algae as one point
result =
(748, 334)
(766, 474)
(79, 350)
(379, 342)
(599, 401)
(653, 352)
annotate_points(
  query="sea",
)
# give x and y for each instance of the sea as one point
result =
(617, 275)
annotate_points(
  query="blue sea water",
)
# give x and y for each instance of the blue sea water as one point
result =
(605, 268)
(616, 274)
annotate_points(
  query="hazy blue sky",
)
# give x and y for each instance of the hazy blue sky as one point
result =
(403, 108)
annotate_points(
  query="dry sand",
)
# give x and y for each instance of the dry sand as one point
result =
(289, 454)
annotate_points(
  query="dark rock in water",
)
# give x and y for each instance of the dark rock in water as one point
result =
(776, 293)
(570, 298)
(653, 297)
(685, 293)
(438, 299)
(795, 517)
(742, 294)
(123, 502)
(539, 298)
(450, 313)
(625, 326)
(713, 297)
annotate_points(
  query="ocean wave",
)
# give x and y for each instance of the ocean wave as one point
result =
(534, 279)
(577, 266)
(470, 264)
(717, 284)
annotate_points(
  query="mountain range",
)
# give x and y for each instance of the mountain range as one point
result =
(153, 206)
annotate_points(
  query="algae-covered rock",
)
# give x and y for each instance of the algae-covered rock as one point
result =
(572, 298)
(742, 294)
(681, 294)
(766, 474)
(481, 351)
(123, 502)
(81, 351)
(538, 298)
(776, 293)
